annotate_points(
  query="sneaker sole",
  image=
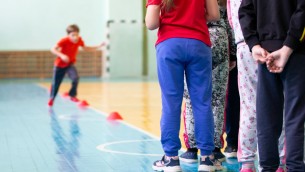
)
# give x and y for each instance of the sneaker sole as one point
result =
(172, 169)
(155, 168)
(206, 168)
(167, 169)
(231, 155)
(190, 161)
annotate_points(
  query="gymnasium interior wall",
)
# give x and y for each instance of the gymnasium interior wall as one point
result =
(31, 27)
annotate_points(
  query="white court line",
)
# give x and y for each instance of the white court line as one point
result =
(120, 121)
(103, 148)
(127, 124)
(132, 126)
(82, 118)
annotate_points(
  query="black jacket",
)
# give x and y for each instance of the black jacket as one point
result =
(273, 23)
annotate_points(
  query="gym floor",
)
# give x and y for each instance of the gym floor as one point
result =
(69, 138)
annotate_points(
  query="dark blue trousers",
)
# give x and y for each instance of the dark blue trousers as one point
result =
(232, 109)
(175, 57)
(58, 76)
(274, 92)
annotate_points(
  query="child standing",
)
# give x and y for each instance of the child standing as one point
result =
(66, 51)
(277, 27)
(247, 84)
(183, 46)
(223, 47)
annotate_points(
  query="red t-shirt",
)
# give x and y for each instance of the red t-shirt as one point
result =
(185, 20)
(70, 49)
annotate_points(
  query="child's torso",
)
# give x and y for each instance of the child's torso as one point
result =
(70, 49)
(186, 19)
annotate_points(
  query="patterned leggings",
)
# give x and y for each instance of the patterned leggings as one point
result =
(220, 57)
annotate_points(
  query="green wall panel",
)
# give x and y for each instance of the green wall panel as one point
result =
(126, 53)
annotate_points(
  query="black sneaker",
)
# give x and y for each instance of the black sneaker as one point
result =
(189, 157)
(207, 164)
(167, 165)
(218, 155)
(231, 152)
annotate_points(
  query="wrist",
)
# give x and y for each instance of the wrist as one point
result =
(287, 50)
(256, 47)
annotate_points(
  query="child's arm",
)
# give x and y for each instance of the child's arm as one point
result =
(212, 10)
(296, 32)
(56, 51)
(93, 48)
(247, 20)
(152, 18)
(296, 35)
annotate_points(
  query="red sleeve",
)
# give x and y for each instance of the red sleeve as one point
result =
(61, 42)
(153, 2)
(81, 42)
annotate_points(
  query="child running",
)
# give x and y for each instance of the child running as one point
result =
(274, 31)
(222, 38)
(66, 51)
(183, 47)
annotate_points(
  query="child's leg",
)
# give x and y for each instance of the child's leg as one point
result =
(73, 75)
(170, 63)
(269, 117)
(294, 85)
(220, 73)
(232, 110)
(189, 131)
(199, 82)
(218, 100)
(58, 76)
(247, 80)
(220, 65)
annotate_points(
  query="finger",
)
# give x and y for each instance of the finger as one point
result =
(262, 60)
(277, 70)
(271, 68)
(264, 53)
(270, 57)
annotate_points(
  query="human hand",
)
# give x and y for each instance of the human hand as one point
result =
(277, 60)
(232, 65)
(259, 54)
(65, 58)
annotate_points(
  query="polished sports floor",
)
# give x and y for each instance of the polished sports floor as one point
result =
(69, 138)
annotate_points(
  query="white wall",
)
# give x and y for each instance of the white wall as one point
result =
(39, 24)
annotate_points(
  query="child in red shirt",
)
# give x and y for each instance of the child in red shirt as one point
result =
(183, 47)
(66, 51)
